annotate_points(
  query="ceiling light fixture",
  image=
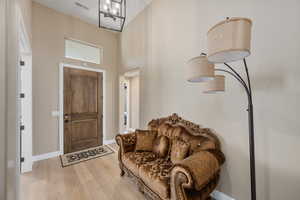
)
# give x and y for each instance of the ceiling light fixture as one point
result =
(112, 14)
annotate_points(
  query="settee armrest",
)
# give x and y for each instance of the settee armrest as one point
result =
(196, 172)
(126, 142)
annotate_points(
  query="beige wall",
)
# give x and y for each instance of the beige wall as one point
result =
(9, 130)
(49, 30)
(134, 105)
(2, 100)
(170, 32)
(12, 131)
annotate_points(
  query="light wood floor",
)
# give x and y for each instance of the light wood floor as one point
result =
(96, 179)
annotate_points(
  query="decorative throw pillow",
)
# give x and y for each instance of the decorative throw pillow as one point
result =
(200, 146)
(145, 140)
(161, 146)
(179, 150)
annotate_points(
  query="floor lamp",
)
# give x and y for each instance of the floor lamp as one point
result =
(227, 41)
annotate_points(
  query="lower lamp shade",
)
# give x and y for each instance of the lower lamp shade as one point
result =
(200, 70)
(229, 40)
(215, 86)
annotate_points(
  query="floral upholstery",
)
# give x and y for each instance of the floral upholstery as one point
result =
(133, 160)
(201, 165)
(161, 146)
(156, 174)
(129, 141)
(179, 150)
(144, 140)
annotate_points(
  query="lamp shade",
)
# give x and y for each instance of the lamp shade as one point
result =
(229, 40)
(215, 86)
(199, 69)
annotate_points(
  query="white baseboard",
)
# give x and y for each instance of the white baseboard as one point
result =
(58, 153)
(109, 141)
(221, 196)
(26, 166)
(46, 156)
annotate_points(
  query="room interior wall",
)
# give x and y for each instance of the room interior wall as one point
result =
(9, 127)
(170, 32)
(2, 99)
(11, 77)
(49, 30)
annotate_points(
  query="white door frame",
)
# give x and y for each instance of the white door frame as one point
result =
(128, 76)
(26, 88)
(122, 95)
(61, 101)
(128, 104)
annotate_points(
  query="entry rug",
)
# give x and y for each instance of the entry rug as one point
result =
(84, 155)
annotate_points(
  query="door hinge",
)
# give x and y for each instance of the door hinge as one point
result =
(22, 63)
(22, 95)
(22, 127)
(22, 159)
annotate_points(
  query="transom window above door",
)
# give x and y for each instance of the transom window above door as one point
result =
(82, 51)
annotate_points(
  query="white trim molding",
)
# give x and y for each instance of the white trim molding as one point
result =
(61, 100)
(58, 153)
(221, 196)
(105, 142)
(132, 73)
(46, 156)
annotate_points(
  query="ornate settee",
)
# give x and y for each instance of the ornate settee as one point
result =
(160, 177)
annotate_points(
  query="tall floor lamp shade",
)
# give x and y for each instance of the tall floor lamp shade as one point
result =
(228, 41)
(215, 86)
(200, 69)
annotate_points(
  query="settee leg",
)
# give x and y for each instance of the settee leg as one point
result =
(122, 173)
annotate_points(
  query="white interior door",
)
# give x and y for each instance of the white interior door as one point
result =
(129, 101)
(26, 113)
(25, 88)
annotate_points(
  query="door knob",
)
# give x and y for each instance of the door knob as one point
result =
(66, 118)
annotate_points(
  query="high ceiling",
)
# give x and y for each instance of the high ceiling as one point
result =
(90, 15)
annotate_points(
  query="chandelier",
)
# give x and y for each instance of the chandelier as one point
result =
(112, 14)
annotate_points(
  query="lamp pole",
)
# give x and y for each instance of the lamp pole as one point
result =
(251, 136)
(247, 87)
(248, 90)
(237, 34)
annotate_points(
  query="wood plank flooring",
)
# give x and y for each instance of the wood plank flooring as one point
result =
(96, 179)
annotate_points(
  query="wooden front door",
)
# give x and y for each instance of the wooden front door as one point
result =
(82, 109)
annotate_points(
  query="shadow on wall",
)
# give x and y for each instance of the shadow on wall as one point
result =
(269, 82)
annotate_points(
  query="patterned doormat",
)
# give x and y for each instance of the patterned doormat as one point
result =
(84, 155)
